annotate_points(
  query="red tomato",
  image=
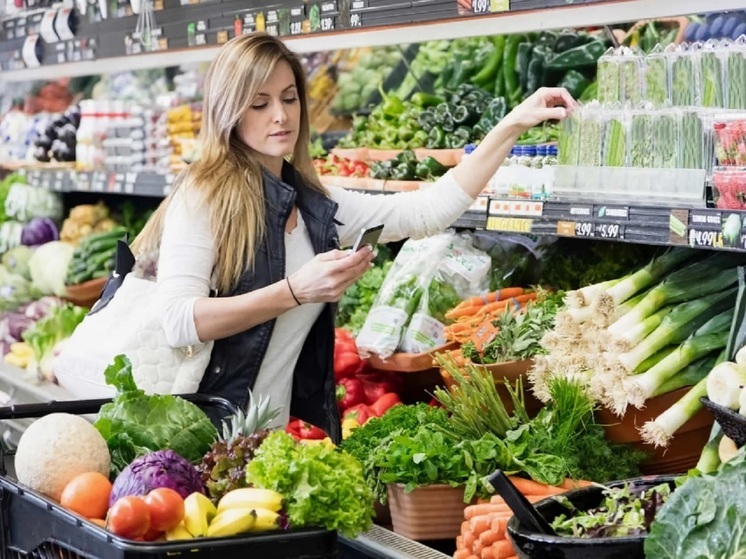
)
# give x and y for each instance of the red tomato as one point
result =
(166, 509)
(129, 518)
(152, 535)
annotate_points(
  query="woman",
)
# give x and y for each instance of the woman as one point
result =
(251, 219)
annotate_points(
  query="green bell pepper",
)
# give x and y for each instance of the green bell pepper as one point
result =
(583, 56)
(391, 105)
(459, 138)
(463, 116)
(427, 120)
(430, 168)
(569, 40)
(536, 68)
(464, 70)
(447, 123)
(525, 50)
(426, 100)
(575, 83)
(403, 172)
(436, 139)
(487, 74)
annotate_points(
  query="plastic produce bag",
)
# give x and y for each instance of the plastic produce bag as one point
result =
(416, 283)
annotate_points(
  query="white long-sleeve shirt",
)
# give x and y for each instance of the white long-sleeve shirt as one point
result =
(187, 259)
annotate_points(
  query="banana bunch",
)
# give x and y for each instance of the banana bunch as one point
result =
(321, 84)
(239, 511)
(20, 355)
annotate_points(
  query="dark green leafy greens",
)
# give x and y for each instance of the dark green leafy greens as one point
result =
(323, 486)
(705, 518)
(359, 298)
(135, 424)
(624, 511)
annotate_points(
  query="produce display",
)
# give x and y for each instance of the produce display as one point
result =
(94, 257)
(359, 84)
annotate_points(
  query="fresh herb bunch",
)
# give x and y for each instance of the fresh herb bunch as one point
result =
(519, 333)
(399, 420)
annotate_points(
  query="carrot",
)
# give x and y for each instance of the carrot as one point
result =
(462, 554)
(528, 487)
(503, 549)
(570, 484)
(487, 553)
(530, 498)
(489, 538)
(469, 540)
(480, 524)
(459, 542)
(478, 547)
(482, 300)
(480, 510)
(500, 526)
(465, 527)
(501, 305)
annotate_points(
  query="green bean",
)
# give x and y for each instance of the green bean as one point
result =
(641, 141)
(711, 79)
(615, 144)
(683, 87)
(609, 79)
(656, 79)
(736, 77)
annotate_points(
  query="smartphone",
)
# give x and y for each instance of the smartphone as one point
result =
(368, 237)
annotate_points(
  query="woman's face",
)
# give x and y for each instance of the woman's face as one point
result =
(270, 126)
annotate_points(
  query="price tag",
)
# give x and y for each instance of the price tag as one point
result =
(201, 26)
(610, 231)
(200, 39)
(273, 30)
(480, 6)
(677, 223)
(163, 44)
(296, 27)
(358, 5)
(483, 335)
(222, 37)
(327, 24)
(566, 228)
(584, 229)
(709, 239)
(356, 20)
(481, 204)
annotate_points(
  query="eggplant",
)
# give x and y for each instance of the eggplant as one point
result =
(41, 154)
(73, 115)
(60, 121)
(68, 134)
(44, 141)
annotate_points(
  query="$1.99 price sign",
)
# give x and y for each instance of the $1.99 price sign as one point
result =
(480, 6)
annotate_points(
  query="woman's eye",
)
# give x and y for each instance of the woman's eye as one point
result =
(290, 101)
(259, 107)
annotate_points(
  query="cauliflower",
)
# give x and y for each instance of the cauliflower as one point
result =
(55, 449)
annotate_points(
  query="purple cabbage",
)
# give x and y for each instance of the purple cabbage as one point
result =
(163, 468)
(38, 231)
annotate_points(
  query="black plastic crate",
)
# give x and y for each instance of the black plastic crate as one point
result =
(35, 527)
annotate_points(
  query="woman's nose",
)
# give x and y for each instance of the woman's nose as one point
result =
(281, 114)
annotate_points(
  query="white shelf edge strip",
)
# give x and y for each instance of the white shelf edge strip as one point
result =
(518, 22)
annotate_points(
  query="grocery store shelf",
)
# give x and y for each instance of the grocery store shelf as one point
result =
(379, 543)
(579, 15)
(133, 184)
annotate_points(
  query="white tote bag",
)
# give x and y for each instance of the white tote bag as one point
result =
(129, 324)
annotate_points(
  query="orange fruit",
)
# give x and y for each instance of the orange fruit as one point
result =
(88, 495)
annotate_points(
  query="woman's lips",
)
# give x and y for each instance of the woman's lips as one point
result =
(280, 135)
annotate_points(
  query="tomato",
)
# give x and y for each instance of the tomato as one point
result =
(129, 518)
(166, 509)
(152, 535)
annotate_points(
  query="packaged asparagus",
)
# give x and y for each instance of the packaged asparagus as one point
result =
(684, 76)
(666, 129)
(641, 139)
(609, 77)
(568, 140)
(591, 136)
(711, 83)
(691, 143)
(735, 74)
(631, 64)
(616, 131)
(657, 76)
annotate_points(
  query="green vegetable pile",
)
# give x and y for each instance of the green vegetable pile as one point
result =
(406, 167)
(323, 486)
(5, 185)
(47, 333)
(705, 517)
(135, 424)
(360, 296)
(94, 257)
(357, 86)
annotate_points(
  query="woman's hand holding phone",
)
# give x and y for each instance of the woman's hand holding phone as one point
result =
(325, 278)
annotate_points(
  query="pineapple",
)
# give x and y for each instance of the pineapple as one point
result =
(223, 468)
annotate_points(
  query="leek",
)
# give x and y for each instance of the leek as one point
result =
(604, 319)
(712, 336)
(709, 460)
(653, 360)
(677, 326)
(640, 331)
(724, 384)
(660, 431)
(647, 276)
(689, 376)
(586, 295)
(692, 282)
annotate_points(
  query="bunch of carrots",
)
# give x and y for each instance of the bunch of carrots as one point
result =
(469, 315)
(484, 532)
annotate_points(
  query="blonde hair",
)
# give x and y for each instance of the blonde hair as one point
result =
(228, 173)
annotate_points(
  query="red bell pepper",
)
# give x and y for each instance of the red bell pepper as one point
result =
(384, 404)
(346, 365)
(373, 390)
(350, 392)
(301, 430)
(361, 413)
